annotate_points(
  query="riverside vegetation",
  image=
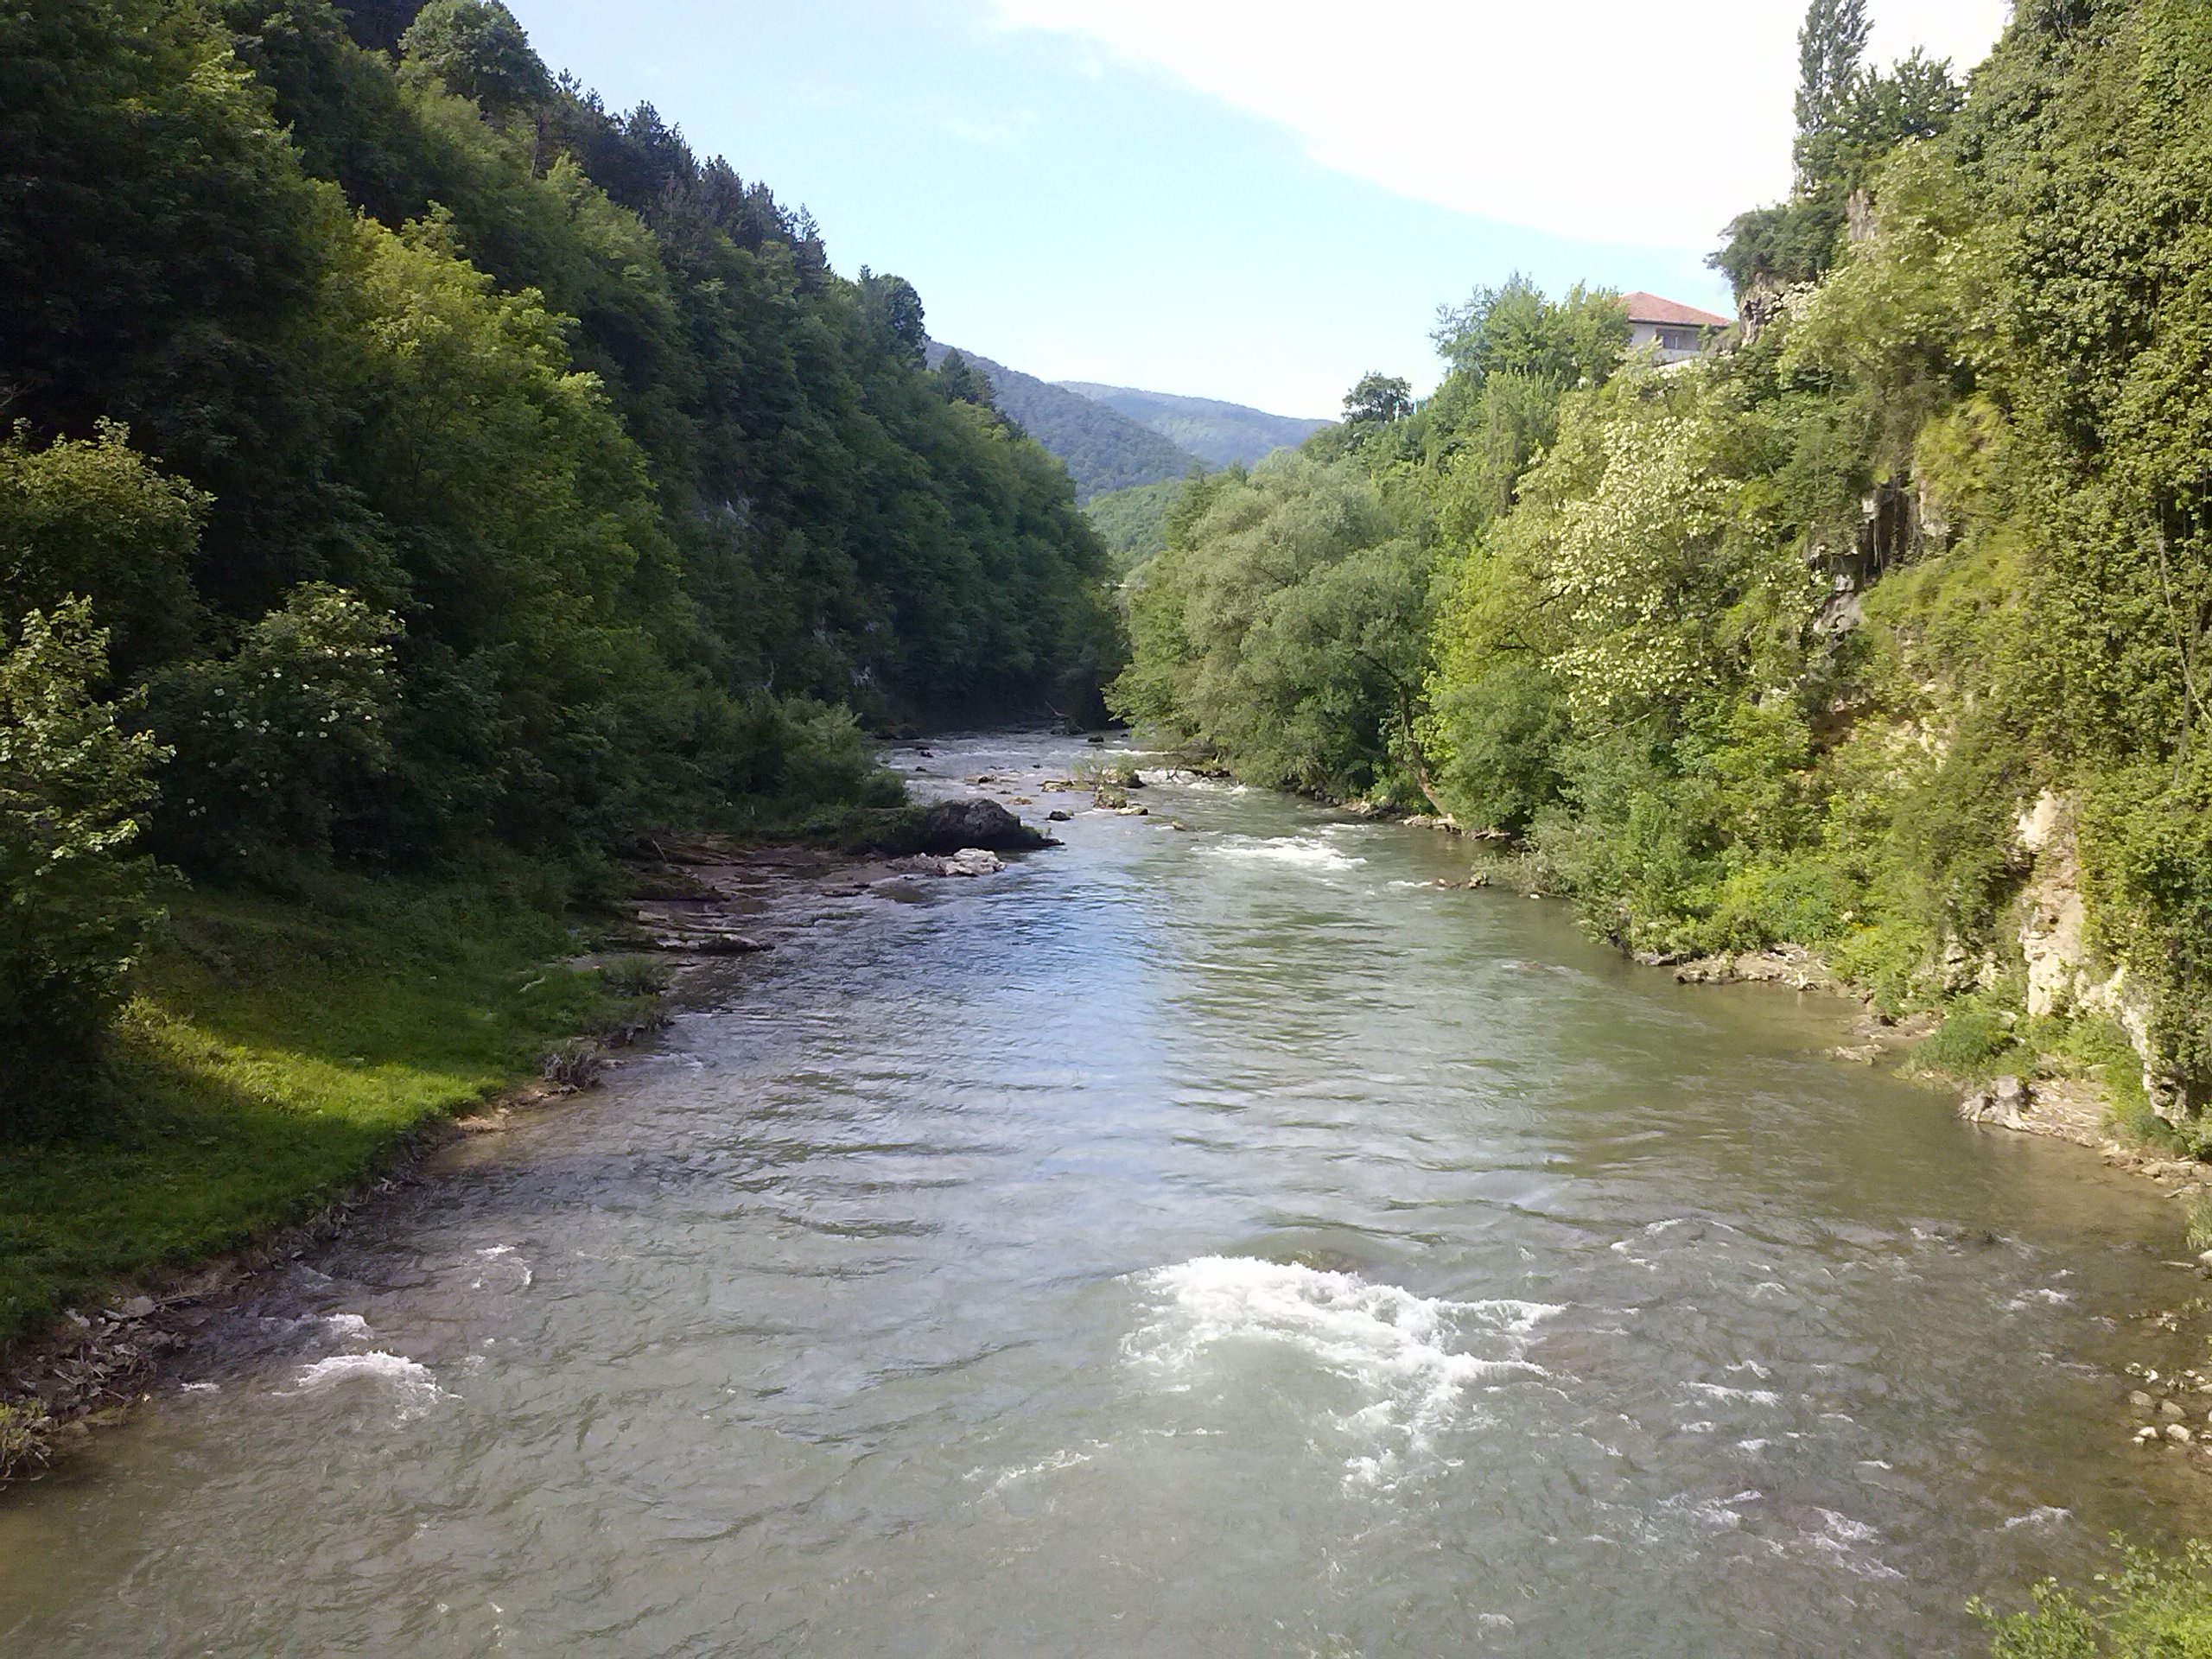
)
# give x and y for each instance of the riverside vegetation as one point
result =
(1882, 628)
(418, 478)
(421, 478)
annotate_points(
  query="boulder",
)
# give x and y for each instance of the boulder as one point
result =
(973, 860)
(2001, 1103)
(952, 827)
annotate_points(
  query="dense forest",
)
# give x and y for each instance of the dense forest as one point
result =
(406, 453)
(1102, 449)
(1219, 434)
(1882, 628)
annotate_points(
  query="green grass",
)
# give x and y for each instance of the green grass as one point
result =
(277, 1048)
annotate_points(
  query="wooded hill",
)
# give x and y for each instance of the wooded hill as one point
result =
(1102, 449)
(1219, 433)
(412, 455)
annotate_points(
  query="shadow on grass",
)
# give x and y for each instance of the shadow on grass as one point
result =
(278, 1048)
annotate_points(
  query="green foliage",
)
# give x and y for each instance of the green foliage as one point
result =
(1979, 1036)
(1379, 400)
(94, 519)
(1133, 523)
(77, 897)
(591, 421)
(1848, 120)
(1783, 645)
(2153, 1607)
(636, 976)
(1103, 450)
(477, 49)
(279, 743)
(1284, 628)
(276, 1048)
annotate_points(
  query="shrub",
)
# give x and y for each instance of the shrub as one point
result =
(94, 519)
(282, 740)
(77, 898)
(1975, 1039)
(574, 1064)
(2155, 1607)
(26, 1437)
(636, 976)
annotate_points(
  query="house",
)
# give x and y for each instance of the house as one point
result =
(1677, 332)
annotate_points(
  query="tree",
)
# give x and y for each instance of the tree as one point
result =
(1378, 400)
(1830, 44)
(894, 315)
(961, 382)
(1849, 121)
(478, 50)
(96, 519)
(74, 897)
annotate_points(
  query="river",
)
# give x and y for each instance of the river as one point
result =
(1202, 1240)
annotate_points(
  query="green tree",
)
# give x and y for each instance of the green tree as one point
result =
(1379, 400)
(76, 896)
(94, 518)
(478, 49)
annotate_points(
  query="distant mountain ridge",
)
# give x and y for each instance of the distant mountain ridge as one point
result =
(1102, 449)
(1219, 433)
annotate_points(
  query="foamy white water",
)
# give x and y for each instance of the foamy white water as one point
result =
(1299, 852)
(410, 1380)
(1410, 1360)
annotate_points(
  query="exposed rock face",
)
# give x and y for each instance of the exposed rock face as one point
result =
(1789, 964)
(952, 827)
(2061, 978)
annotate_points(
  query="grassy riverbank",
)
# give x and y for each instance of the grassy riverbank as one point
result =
(277, 1044)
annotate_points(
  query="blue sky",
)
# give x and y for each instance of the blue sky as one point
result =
(1225, 198)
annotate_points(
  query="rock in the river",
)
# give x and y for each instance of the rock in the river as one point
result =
(2171, 1408)
(973, 860)
(2178, 1434)
(2142, 1401)
(1056, 815)
(2001, 1103)
(954, 827)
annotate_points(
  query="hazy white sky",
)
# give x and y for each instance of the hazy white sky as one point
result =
(1256, 200)
(1568, 119)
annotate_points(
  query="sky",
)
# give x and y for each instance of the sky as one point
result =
(1253, 200)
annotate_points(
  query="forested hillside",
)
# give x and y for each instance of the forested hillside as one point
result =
(1219, 433)
(409, 455)
(1882, 629)
(1102, 449)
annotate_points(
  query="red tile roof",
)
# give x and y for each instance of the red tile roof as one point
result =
(1650, 307)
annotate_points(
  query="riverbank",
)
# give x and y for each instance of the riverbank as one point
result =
(932, 1209)
(288, 1057)
(281, 1053)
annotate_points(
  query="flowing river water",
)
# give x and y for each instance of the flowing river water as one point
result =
(1214, 1241)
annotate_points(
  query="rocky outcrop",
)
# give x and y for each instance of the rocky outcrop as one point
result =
(2063, 973)
(1789, 965)
(950, 828)
(973, 861)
